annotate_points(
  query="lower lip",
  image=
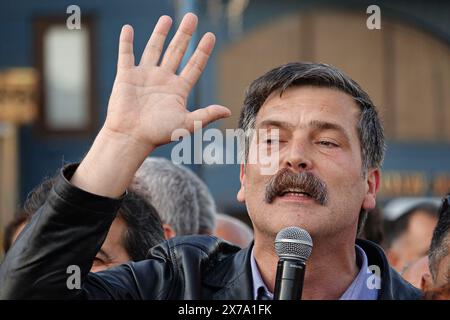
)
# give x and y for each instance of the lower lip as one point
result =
(295, 197)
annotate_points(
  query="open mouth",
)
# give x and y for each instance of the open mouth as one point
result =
(303, 187)
(295, 193)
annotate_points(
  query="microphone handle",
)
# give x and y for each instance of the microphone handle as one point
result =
(289, 279)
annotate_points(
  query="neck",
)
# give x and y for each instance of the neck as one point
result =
(330, 269)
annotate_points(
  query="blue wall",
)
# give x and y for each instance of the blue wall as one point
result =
(41, 156)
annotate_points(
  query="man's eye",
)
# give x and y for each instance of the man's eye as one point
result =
(328, 144)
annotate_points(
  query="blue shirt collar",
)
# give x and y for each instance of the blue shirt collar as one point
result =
(259, 287)
(358, 289)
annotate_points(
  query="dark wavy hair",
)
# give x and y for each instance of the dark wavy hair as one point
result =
(144, 226)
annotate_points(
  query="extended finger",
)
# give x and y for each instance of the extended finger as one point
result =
(177, 47)
(155, 44)
(206, 115)
(126, 56)
(196, 64)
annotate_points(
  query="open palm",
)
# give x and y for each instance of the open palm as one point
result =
(148, 101)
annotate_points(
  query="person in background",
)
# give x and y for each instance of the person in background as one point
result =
(167, 187)
(13, 229)
(211, 222)
(181, 197)
(233, 230)
(373, 227)
(183, 200)
(35, 199)
(136, 228)
(439, 256)
(409, 225)
(207, 211)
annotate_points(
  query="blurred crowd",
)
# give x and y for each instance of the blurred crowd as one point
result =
(415, 234)
(167, 200)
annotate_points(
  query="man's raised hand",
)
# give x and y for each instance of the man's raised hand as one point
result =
(147, 104)
(148, 101)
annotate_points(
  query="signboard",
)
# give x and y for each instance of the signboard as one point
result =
(18, 95)
(414, 183)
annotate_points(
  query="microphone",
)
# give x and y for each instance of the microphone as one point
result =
(293, 245)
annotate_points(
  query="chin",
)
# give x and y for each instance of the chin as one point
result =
(295, 212)
(290, 222)
(278, 215)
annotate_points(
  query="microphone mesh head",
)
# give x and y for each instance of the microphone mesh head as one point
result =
(294, 243)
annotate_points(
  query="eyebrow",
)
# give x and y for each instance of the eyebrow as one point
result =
(315, 124)
(276, 123)
(324, 125)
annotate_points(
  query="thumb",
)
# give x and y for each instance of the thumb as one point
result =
(206, 115)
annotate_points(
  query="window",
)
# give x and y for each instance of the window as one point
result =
(64, 63)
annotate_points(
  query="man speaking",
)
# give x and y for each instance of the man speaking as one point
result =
(329, 145)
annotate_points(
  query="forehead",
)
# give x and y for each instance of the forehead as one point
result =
(309, 103)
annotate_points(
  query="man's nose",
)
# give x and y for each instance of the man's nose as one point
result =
(297, 157)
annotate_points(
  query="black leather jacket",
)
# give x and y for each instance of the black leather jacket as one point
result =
(71, 227)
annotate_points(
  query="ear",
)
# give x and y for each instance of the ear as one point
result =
(241, 193)
(426, 283)
(168, 231)
(372, 186)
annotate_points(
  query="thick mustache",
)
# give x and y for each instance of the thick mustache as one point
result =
(286, 179)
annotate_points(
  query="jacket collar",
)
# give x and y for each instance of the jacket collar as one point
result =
(393, 286)
(231, 275)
